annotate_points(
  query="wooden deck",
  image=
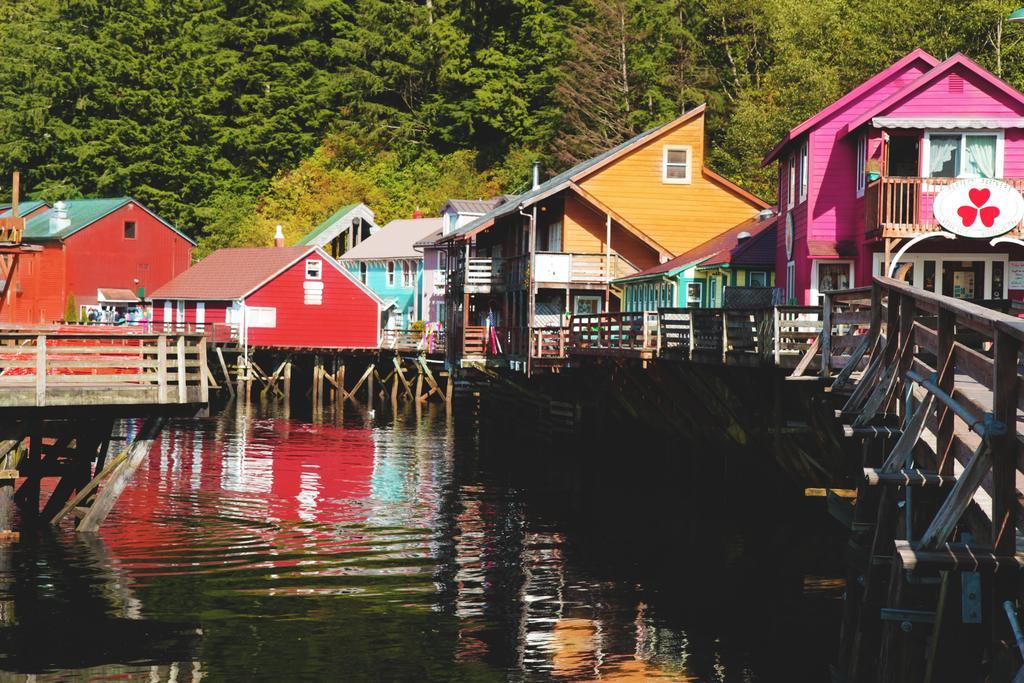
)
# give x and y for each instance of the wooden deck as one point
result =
(49, 370)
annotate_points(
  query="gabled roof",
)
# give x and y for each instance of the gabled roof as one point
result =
(232, 274)
(335, 224)
(396, 240)
(24, 208)
(850, 97)
(82, 213)
(931, 76)
(723, 248)
(582, 170)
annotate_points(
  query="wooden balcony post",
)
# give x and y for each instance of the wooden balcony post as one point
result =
(725, 336)
(204, 385)
(776, 336)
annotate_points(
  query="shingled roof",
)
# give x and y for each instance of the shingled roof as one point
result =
(395, 240)
(229, 274)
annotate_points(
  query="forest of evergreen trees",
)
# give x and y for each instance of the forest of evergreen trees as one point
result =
(229, 116)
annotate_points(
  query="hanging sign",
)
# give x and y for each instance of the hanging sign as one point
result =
(979, 208)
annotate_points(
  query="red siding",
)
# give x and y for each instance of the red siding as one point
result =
(348, 317)
(38, 293)
(100, 256)
(216, 311)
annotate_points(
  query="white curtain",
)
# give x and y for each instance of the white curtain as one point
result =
(981, 155)
(943, 149)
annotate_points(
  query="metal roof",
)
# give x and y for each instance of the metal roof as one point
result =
(310, 238)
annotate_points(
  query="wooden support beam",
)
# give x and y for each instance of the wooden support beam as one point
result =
(904, 448)
(400, 371)
(224, 369)
(112, 490)
(366, 375)
(958, 557)
(288, 380)
(913, 477)
(958, 500)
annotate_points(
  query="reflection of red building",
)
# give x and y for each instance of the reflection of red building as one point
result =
(242, 488)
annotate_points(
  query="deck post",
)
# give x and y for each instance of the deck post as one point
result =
(316, 383)
(288, 381)
(725, 336)
(41, 370)
(182, 387)
(204, 385)
(341, 380)
(826, 336)
(945, 362)
(775, 336)
(369, 388)
(161, 368)
(1005, 448)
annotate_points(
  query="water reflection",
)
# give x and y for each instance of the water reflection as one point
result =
(251, 545)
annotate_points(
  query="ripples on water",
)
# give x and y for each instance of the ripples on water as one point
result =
(257, 547)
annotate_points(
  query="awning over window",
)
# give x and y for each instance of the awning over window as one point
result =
(826, 249)
(929, 123)
(116, 296)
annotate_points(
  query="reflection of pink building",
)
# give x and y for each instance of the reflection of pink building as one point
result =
(857, 181)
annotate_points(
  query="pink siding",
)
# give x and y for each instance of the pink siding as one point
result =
(962, 93)
(836, 213)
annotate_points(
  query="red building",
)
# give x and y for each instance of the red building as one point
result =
(284, 297)
(94, 252)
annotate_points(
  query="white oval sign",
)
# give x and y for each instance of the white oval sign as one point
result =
(789, 236)
(979, 208)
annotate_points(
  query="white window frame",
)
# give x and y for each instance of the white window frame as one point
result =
(762, 273)
(790, 281)
(261, 316)
(180, 315)
(200, 315)
(791, 181)
(317, 265)
(862, 164)
(389, 270)
(926, 152)
(408, 274)
(805, 173)
(688, 178)
(700, 293)
(814, 275)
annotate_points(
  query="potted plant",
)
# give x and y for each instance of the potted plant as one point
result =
(873, 170)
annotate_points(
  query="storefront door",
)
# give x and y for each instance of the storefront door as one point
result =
(964, 279)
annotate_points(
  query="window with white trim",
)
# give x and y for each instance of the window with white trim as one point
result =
(676, 164)
(804, 173)
(408, 273)
(791, 181)
(391, 273)
(757, 278)
(314, 269)
(790, 282)
(963, 154)
(862, 160)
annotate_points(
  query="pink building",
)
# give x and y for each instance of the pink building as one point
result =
(859, 180)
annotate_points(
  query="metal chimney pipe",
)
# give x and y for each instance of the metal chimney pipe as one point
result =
(536, 174)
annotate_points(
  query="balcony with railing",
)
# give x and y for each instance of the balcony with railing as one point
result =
(488, 274)
(897, 206)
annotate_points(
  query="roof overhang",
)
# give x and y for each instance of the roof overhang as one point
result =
(945, 123)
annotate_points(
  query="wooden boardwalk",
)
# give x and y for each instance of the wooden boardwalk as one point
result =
(928, 388)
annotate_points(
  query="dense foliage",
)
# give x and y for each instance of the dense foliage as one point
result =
(229, 116)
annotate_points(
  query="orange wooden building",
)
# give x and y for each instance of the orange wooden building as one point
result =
(555, 249)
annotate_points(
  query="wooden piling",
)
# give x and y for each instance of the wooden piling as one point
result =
(288, 381)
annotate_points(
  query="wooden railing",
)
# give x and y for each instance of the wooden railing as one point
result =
(932, 385)
(902, 206)
(620, 332)
(425, 340)
(571, 267)
(97, 368)
(483, 273)
(549, 342)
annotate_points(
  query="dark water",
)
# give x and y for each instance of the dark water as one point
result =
(251, 546)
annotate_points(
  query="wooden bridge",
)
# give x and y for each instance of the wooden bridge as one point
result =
(62, 395)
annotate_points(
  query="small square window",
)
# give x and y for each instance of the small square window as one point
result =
(129, 230)
(676, 164)
(314, 269)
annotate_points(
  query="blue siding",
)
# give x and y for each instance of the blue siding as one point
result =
(408, 299)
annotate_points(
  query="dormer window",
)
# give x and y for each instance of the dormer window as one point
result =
(963, 155)
(314, 269)
(676, 163)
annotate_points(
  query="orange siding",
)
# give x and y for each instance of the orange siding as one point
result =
(585, 231)
(679, 217)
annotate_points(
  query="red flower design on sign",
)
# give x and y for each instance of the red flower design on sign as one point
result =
(979, 197)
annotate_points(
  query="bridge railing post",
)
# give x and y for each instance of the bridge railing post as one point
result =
(41, 370)
(826, 335)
